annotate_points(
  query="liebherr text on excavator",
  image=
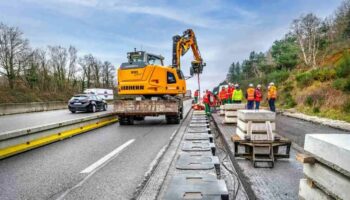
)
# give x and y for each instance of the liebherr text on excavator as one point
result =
(148, 88)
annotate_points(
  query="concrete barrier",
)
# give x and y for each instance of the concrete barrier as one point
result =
(15, 108)
(17, 141)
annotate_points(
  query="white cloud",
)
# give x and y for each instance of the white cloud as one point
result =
(225, 31)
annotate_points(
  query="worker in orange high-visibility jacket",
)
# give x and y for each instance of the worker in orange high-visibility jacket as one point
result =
(250, 96)
(222, 96)
(229, 93)
(196, 95)
(271, 96)
(206, 101)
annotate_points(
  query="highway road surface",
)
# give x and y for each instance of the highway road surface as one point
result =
(107, 163)
(26, 120)
(296, 129)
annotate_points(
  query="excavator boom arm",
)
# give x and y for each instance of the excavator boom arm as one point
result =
(181, 44)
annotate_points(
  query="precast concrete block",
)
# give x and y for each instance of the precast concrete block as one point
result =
(311, 193)
(235, 106)
(199, 112)
(196, 186)
(332, 148)
(194, 121)
(230, 120)
(198, 136)
(230, 113)
(333, 181)
(198, 145)
(199, 125)
(199, 118)
(254, 136)
(255, 126)
(197, 161)
(222, 110)
(198, 130)
(256, 115)
(242, 134)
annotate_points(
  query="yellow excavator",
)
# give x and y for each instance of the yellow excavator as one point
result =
(148, 88)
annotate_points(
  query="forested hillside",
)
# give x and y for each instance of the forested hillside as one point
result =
(310, 65)
(53, 73)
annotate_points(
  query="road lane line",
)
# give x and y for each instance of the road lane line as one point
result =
(107, 157)
(94, 168)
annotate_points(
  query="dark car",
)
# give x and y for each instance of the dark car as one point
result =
(87, 103)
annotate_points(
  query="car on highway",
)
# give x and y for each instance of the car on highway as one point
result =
(87, 103)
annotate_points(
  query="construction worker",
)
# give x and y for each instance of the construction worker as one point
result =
(229, 93)
(223, 95)
(258, 96)
(196, 94)
(250, 96)
(212, 102)
(271, 96)
(206, 101)
(237, 94)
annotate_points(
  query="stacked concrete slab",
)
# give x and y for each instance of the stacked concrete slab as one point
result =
(256, 124)
(222, 110)
(329, 176)
(197, 167)
(231, 112)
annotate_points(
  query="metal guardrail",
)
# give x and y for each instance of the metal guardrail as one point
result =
(17, 141)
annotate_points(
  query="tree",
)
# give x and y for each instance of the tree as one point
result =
(342, 20)
(231, 73)
(238, 72)
(96, 71)
(107, 74)
(72, 69)
(13, 50)
(285, 52)
(58, 61)
(86, 65)
(307, 32)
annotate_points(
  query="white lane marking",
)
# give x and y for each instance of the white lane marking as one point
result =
(107, 157)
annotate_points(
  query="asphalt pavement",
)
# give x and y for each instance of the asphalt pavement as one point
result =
(26, 120)
(296, 129)
(55, 171)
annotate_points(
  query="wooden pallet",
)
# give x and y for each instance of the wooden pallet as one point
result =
(251, 146)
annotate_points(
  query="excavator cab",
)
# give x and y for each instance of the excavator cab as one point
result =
(145, 74)
(139, 59)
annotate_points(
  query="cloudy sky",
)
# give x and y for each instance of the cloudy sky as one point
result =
(227, 30)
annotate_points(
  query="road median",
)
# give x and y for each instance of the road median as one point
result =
(17, 141)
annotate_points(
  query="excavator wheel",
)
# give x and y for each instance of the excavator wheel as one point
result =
(122, 121)
(173, 119)
(131, 120)
(139, 118)
(126, 121)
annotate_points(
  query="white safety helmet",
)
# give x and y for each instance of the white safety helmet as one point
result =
(251, 85)
(236, 85)
(271, 84)
(258, 86)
